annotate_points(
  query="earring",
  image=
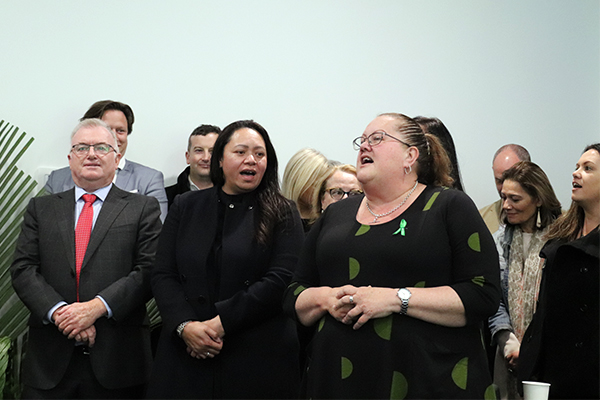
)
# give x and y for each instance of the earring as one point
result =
(539, 219)
(407, 170)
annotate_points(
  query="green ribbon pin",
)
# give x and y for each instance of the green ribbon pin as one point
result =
(402, 229)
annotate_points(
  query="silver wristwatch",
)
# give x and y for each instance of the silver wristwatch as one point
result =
(404, 295)
(181, 326)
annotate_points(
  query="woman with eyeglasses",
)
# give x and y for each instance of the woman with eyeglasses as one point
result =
(224, 258)
(340, 184)
(397, 282)
(561, 345)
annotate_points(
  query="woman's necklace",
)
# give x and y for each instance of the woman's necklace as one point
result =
(395, 208)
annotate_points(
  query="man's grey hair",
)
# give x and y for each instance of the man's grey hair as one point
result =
(95, 122)
(520, 151)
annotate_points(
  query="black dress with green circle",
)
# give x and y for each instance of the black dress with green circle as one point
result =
(439, 240)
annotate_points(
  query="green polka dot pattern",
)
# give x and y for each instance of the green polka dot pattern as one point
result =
(473, 242)
(459, 373)
(383, 327)
(347, 368)
(354, 267)
(399, 386)
(362, 230)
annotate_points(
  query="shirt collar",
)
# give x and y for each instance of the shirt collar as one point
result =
(122, 163)
(100, 193)
(193, 186)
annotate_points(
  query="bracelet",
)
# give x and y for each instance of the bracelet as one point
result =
(181, 326)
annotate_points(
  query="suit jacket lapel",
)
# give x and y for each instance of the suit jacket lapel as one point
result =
(66, 206)
(111, 208)
(123, 176)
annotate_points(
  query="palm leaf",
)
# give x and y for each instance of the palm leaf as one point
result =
(16, 188)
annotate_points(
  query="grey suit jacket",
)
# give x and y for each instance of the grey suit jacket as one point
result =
(136, 178)
(116, 266)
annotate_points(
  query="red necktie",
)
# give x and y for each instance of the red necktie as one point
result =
(83, 231)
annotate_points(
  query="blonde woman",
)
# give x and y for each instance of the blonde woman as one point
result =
(341, 183)
(301, 179)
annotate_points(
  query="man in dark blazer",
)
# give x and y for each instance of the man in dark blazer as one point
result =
(88, 336)
(199, 151)
(130, 176)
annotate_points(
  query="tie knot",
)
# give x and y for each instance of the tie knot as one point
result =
(89, 198)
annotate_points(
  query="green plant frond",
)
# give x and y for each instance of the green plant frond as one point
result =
(4, 352)
(9, 149)
(6, 135)
(16, 188)
(23, 194)
(5, 179)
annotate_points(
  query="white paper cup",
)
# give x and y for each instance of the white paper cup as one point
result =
(535, 390)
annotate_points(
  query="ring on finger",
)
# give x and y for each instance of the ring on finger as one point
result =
(351, 299)
(208, 353)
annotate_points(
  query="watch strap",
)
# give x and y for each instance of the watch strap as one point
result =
(181, 326)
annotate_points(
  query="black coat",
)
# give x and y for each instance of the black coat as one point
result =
(561, 345)
(259, 358)
(182, 186)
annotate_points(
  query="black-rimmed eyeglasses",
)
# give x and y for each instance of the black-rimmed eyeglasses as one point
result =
(374, 139)
(339, 193)
(100, 149)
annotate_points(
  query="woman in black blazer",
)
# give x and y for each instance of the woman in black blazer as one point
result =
(225, 256)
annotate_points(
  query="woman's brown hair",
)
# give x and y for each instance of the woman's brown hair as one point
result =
(433, 166)
(570, 224)
(536, 183)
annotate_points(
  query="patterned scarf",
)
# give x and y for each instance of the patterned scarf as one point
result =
(524, 276)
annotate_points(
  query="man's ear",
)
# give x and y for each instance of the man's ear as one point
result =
(117, 159)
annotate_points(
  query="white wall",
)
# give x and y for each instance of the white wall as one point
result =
(314, 73)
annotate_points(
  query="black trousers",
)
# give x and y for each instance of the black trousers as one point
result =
(79, 382)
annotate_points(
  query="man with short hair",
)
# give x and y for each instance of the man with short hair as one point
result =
(82, 267)
(504, 158)
(197, 175)
(130, 176)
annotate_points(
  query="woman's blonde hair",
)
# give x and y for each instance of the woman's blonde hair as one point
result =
(336, 166)
(304, 172)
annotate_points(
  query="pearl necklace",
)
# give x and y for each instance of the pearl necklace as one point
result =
(395, 208)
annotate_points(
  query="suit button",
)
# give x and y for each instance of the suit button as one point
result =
(583, 308)
(579, 345)
(186, 298)
(201, 299)
(231, 206)
(247, 283)
(583, 270)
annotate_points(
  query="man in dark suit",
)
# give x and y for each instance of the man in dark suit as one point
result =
(130, 176)
(197, 175)
(88, 329)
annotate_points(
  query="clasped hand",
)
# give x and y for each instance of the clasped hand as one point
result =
(77, 320)
(204, 338)
(356, 306)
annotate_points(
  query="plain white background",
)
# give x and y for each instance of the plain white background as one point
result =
(314, 73)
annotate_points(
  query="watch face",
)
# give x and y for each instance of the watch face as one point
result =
(404, 293)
